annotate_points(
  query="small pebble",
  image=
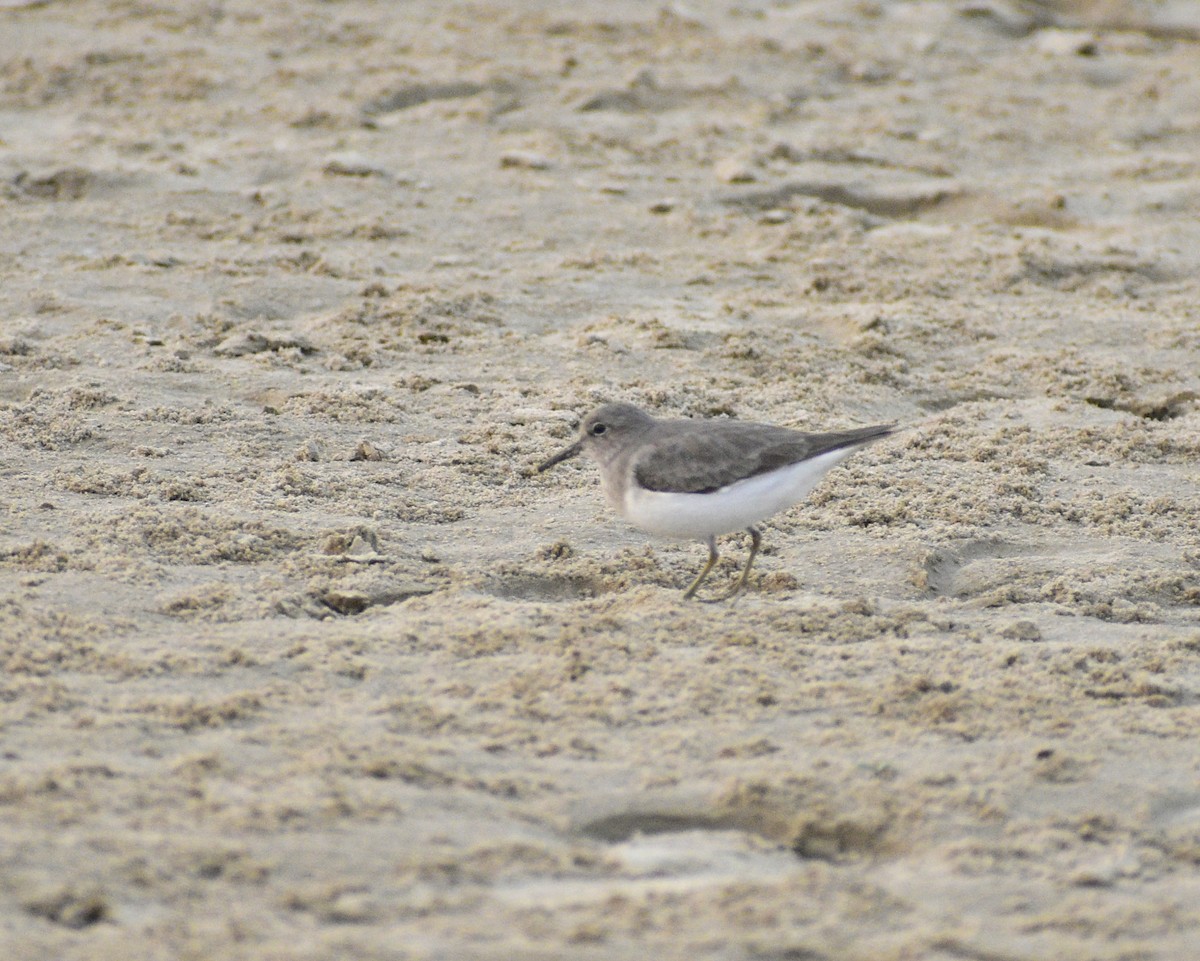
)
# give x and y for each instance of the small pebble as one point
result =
(353, 165)
(524, 159)
(734, 171)
(1066, 43)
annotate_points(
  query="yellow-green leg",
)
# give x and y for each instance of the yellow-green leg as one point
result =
(755, 543)
(712, 560)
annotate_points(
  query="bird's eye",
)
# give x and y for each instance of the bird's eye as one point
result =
(598, 429)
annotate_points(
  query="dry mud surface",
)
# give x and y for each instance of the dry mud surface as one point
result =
(301, 662)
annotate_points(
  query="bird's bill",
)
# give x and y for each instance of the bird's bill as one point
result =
(561, 456)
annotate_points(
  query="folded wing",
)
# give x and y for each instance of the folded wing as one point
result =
(723, 453)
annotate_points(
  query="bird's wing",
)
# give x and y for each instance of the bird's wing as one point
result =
(702, 461)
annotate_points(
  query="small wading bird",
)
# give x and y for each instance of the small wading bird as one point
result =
(698, 479)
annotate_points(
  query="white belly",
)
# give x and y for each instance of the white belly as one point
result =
(732, 508)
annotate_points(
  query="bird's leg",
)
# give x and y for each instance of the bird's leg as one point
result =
(712, 559)
(755, 543)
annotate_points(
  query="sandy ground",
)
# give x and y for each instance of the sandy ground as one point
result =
(299, 659)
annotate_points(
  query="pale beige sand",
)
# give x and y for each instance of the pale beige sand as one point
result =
(300, 662)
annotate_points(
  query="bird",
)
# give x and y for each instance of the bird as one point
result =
(691, 479)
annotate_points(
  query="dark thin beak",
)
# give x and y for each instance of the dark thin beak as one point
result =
(561, 456)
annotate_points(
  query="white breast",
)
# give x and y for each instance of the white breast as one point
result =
(732, 508)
